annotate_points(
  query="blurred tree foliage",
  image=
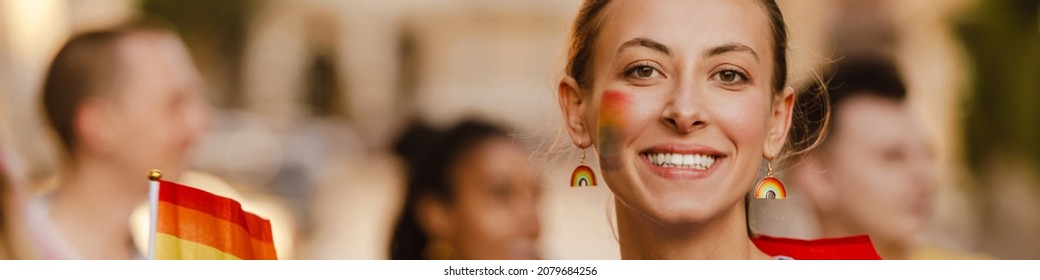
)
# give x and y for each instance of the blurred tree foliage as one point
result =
(1002, 108)
(215, 32)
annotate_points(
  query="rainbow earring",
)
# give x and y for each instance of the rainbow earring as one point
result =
(582, 175)
(770, 187)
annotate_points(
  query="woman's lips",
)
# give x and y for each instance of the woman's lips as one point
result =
(681, 161)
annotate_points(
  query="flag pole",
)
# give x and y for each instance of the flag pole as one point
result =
(153, 209)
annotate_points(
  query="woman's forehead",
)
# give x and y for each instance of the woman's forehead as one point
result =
(686, 26)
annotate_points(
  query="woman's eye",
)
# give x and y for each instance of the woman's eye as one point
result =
(731, 77)
(893, 155)
(501, 191)
(642, 72)
(645, 72)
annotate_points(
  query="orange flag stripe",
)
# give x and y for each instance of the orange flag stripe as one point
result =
(199, 227)
(216, 206)
(172, 248)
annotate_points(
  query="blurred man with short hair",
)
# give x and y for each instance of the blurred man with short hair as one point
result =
(121, 101)
(874, 173)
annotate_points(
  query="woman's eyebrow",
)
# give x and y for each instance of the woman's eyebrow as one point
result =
(731, 47)
(657, 46)
(646, 43)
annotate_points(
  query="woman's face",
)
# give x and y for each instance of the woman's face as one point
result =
(495, 211)
(680, 108)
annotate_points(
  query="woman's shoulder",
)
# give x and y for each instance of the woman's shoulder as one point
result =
(856, 247)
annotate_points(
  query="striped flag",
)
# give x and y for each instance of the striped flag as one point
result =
(188, 223)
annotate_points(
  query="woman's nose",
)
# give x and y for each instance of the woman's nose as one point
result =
(683, 113)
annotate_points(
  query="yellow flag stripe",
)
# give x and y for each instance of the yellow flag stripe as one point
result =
(169, 247)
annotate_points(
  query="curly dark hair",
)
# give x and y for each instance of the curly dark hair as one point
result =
(430, 156)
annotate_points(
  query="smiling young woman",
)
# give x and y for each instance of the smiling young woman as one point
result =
(682, 102)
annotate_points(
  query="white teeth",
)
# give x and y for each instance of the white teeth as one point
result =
(675, 159)
(681, 160)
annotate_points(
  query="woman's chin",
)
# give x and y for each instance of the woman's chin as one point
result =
(674, 201)
(668, 214)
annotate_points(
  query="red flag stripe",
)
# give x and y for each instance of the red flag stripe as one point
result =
(217, 206)
(196, 226)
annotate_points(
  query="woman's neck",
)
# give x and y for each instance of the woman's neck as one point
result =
(92, 206)
(723, 237)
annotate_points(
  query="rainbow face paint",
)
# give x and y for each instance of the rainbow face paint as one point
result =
(612, 124)
(770, 188)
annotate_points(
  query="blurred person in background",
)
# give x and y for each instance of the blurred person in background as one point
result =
(472, 194)
(121, 101)
(10, 202)
(875, 172)
(4, 196)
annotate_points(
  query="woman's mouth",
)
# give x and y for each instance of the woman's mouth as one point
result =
(692, 161)
(682, 161)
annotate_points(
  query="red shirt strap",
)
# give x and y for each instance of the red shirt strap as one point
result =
(856, 247)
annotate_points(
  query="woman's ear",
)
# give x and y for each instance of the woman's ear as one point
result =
(434, 218)
(780, 124)
(572, 103)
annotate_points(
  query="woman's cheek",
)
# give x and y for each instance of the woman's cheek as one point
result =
(621, 119)
(747, 131)
(613, 111)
